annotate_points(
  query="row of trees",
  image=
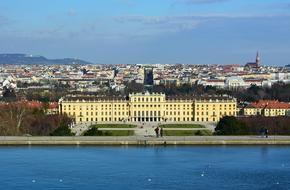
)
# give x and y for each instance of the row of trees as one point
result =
(171, 90)
(230, 125)
(19, 119)
(279, 91)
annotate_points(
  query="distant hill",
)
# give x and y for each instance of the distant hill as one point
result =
(18, 59)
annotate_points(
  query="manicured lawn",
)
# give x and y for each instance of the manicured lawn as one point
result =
(181, 126)
(118, 133)
(104, 133)
(114, 126)
(187, 133)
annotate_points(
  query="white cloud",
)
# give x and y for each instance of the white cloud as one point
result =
(4, 21)
(72, 12)
(201, 1)
(159, 24)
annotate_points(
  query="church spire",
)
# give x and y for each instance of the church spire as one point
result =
(258, 59)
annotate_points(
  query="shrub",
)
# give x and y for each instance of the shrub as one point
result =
(230, 125)
(63, 130)
(94, 131)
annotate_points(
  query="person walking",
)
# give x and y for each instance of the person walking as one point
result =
(161, 132)
(157, 131)
(262, 132)
(266, 132)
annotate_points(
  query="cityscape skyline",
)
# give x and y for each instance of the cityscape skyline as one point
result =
(145, 94)
(140, 32)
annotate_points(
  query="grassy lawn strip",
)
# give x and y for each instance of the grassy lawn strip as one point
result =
(118, 133)
(114, 126)
(182, 126)
(187, 133)
(96, 132)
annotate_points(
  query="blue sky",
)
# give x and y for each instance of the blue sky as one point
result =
(149, 31)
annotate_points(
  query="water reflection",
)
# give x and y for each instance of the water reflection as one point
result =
(264, 151)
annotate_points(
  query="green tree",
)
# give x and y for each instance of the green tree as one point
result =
(63, 130)
(230, 125)
(133, 87)
(94, 131)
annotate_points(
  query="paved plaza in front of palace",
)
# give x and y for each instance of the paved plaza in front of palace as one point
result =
(145, 129)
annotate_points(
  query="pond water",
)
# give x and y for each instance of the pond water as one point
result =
(184, 167)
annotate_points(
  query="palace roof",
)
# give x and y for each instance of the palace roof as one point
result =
(269, 104)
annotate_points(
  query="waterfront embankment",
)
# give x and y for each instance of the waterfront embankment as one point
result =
(196, 140)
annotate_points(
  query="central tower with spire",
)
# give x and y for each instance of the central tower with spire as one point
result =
(257, 59)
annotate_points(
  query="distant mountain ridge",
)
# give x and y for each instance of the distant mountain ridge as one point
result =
(24, 59)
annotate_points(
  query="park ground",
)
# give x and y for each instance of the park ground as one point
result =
(144, 134)
(147, 129)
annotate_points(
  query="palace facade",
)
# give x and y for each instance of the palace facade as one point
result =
(146, 107)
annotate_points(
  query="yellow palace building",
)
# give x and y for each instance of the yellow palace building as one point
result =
(146, 107)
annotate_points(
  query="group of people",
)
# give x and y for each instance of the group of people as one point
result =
(264, 132)
(158, 131)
